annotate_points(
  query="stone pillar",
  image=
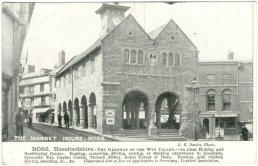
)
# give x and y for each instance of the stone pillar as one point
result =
(90, 116)
(82, 116)
(75, 120)
(158, 116)
(137, 118)
(127, 117)
(132, 120)
(70, 117)
(152, 129)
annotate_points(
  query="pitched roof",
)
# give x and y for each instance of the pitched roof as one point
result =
(79, 57)
(153, 34)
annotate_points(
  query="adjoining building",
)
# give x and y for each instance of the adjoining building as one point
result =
(35, 95)
(15, 22)
(225, 97)
(122, 82)
(37, 91)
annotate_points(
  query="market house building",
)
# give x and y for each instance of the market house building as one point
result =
(128, 80)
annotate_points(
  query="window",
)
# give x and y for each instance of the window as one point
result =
(31, 89)
(83, 70)
(230, 122)
(226, 78)
(69, 78)
(21, 90)
(133, 57)
(41, 87)
(64, 80)
(76, 74)
(171, 59)
(140, 57)
(226, 96)
(164, 58)
(43, 101)
(219, 122)
(32, 101)
(92, 65)
(54, 80)
(211, 100)
(59, 83)
(210, 79)
(126, 56)
(177, 60)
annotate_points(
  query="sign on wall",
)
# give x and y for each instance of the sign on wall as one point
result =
(109, 113)
(110, 121)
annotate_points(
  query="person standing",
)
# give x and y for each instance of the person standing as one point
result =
(244, 133)
(19, 119)
(59, 117)
(66, 120)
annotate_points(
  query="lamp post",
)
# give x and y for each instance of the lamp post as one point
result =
(195, 92)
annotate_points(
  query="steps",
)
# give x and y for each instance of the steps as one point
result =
(169, 135)
(136, 133)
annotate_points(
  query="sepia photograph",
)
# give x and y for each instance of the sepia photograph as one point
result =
(148, 72)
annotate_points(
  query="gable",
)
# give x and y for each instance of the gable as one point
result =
(171, 31)
(129, 26)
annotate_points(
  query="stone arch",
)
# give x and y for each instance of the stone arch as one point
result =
(135, 110)
(59, 108)
(84, 112)
(64, 107)
(168, 118)
(70, 111)
(76, 112)
(92, 113)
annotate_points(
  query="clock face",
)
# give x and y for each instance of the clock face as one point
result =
(116, 20)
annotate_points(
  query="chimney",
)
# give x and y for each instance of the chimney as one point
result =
(61, 58)
(231, 55)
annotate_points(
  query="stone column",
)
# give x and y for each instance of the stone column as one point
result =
(75, 116)
(70, 117)
(132, 120)
(90, 116)
(152, 129)
(137, 118)
(82, 116)
(127, 116)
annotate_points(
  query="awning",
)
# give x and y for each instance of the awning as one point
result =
(40, 110)
(225, 115)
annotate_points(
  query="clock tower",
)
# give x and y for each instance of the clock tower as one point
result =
(111, 15)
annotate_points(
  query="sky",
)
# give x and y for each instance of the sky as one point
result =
(214, 27)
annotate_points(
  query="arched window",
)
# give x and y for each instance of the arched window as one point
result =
(171, 59)
(211, 100)
(126, 56)
(164, 59)
(177, 60)
(226, 97)
(133, 57)
(140, 57)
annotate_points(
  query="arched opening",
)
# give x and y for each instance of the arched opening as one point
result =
(205, 126)
(167, 111)
(59, 108)
(135, 110)
(77, 112)
(84, 113)
(64, 107)
(70, 112)
(93, 110)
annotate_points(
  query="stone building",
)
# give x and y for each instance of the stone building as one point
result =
(15, 22)
(128, 79)
(225, 97)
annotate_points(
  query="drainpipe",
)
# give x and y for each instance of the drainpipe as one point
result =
(72, 96)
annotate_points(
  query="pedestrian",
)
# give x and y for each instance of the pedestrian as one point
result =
(244, 133)
(59, 117)
(19, 119)
(66, 120)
